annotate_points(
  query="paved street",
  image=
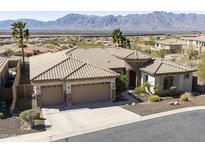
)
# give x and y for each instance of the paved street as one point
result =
(187, 126)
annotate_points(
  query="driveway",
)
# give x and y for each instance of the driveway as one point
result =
(186, 126)
(94, 116)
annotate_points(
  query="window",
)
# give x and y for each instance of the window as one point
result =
(146, 78)
(168, 82)
(186, 75)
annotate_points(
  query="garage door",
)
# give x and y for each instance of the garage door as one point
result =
(90, 93)
(51, 95)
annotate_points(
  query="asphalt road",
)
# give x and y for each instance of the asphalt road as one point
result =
(187, 126)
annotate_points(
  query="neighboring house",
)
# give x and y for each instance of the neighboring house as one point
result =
(198, 40)
(173, 46)
(3, 71)
(88, 75)
(32, 50)
(196, 43)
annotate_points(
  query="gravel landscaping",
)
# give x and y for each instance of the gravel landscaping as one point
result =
(12, 127)
(162, 106)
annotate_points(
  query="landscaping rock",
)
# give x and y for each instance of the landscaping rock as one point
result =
(171, 103)
(133, 103)
(176, 103)
(25, 125)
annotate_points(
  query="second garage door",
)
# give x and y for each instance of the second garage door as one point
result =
(90, 93)
(51, 95)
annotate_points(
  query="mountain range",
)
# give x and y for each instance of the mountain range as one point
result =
(155, 21)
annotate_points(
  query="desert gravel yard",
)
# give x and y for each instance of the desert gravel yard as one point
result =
(12, 127)
(162, 106)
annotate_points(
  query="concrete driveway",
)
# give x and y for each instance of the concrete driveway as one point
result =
(94, 116)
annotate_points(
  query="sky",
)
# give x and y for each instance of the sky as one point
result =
(52, 15)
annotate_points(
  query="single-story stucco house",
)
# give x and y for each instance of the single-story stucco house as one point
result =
(88, 75)
(171, 45)
(3, 71)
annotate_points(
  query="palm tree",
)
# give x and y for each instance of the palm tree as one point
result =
(116, 35)
(19, 32)
(121, 40)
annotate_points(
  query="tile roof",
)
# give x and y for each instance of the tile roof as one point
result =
(198, 38)
(58, 66)
(3, 62)
(160, 66)
(172, 42)
(99, 56)
(130, 54)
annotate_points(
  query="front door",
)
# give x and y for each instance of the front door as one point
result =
(132, 83)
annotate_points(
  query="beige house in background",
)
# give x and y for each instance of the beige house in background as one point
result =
(3, 71)
(88, 75)
(171, 45)
(196, 43)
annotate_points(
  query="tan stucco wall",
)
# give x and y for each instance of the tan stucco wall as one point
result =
(181, 83)
(68, 93)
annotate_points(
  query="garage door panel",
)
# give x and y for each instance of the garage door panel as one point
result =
(90, 93)
(51, 95)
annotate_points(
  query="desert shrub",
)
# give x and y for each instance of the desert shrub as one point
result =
(121, 82)
(154, 98)
(1, 115)
(139, 90)
(201, 69)
(183, 97)
(173, 90)
(30, 115)
(158, 53)
(157, 89)
(64, 47)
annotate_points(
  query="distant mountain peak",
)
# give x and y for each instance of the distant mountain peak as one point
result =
(155, 21)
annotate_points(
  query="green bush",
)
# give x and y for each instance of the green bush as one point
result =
(139, 90)
(1, 115)
(30, 115)
(121, 82)
(183, 97)
(173, 90)
(158, 53)
(154, 98)
(157, 89)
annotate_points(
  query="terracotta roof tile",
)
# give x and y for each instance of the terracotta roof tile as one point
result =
(3, 62)
(130, 54)
(99, 56)
(160, 66)
(59, 66)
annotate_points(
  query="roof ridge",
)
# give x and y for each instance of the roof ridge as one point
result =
(131, 54)
(158, 67)
(51, 67)
(75, 70)
(74, 48)
(106, 69)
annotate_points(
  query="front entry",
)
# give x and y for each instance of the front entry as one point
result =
(132, 81)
